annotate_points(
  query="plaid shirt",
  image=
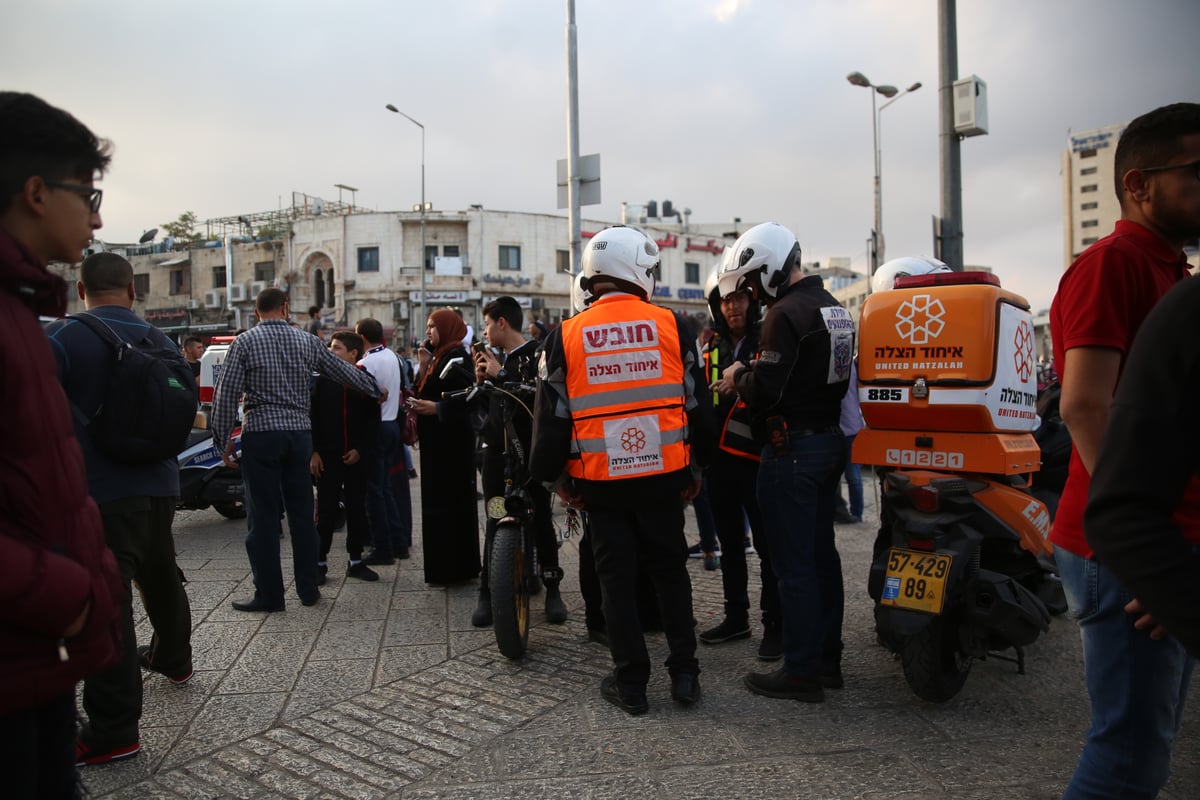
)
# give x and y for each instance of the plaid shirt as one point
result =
(273, 364)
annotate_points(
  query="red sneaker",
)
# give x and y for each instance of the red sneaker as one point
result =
(86, 754)
(176, 678)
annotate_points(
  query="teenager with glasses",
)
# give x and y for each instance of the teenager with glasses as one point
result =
(60, 591)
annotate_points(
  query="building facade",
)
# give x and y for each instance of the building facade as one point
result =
(1090, 205)
(353, 263)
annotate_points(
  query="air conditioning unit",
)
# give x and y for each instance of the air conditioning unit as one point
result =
(256, 287)
(214, 298)
(192, 304)
(237, 293)
(970, 106)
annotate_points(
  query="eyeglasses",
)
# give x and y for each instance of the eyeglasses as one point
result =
(94, 196)
(1194, 166)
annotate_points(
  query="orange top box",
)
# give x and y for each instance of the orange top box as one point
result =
(948, 352)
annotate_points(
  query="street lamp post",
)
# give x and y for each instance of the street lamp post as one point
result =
(395, 110)
(893, 94)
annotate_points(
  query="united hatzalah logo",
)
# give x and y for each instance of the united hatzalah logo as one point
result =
(920, 319)
(1023, 355)
(633, 440)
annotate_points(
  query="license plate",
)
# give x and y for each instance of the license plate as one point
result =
(915, 580)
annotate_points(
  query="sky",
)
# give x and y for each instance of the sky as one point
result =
(732, 108)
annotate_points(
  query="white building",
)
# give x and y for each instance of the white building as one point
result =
(1090, 205)
(354, 263)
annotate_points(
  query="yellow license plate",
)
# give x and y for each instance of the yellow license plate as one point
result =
(916, 580)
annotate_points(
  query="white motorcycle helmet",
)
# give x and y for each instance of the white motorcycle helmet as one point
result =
(581, 298)
(884, 278)
(761, 261)
(624, 254)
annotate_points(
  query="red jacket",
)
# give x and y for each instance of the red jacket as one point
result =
(53, 559)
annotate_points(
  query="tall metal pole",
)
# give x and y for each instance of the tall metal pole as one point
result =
(395, 110)
(877, 234)
(573, 141)
(951, 173)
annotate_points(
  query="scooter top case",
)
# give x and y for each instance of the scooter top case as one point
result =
(947, 376)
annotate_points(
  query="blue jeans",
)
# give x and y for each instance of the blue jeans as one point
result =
(853, 475)
(795, 495)
(389, 532)
(1137, 688)
(276, 477)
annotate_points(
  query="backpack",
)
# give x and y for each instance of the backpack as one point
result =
(149, 404)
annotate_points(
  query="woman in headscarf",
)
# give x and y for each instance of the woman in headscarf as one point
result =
(449, 511)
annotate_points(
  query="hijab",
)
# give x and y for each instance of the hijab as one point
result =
(450, 329)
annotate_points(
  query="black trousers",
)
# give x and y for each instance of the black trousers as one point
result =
(37, 751)
(652, 538)
(338, 478)
(138, 531)
(731, 488)
(492, 480)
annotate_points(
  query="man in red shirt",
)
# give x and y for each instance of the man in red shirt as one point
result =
(1136, 684)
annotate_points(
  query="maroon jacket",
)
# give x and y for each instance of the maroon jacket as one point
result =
(53, 558)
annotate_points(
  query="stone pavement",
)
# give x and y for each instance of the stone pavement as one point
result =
(385, 690)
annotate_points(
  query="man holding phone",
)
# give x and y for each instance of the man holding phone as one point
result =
(502, 319)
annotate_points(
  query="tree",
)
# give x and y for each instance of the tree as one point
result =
(183, 229)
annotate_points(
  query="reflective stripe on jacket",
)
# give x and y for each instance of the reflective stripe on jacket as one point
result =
(735, 436)
(625, 381)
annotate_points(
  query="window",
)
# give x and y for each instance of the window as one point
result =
(430, 255)
(1088, 171)
(1089, 206)
(1091, 187)
(1087, 153)
(141, 284)
(1089, 240)
(1090, 223)
(691, 272)
(562, 260)
(510, 257)
(264, 271)
(218, 277)
(450, 251)
(368, 259)
(178, 283)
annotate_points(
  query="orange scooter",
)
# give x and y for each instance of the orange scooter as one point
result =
(962, 568)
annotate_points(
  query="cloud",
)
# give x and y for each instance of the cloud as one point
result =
(726, 10)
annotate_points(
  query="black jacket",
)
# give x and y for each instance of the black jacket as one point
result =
(342, 419)
(803, 367)
(521, 365)
(1145, 491)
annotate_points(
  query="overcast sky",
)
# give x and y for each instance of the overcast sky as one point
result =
(732, 108)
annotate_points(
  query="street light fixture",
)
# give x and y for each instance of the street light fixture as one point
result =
(893, 94)
(395, 110)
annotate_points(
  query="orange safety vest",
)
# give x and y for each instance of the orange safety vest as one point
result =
(735, 437)
(625, 388)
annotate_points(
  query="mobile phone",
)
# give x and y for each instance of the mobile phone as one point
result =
(478, 347)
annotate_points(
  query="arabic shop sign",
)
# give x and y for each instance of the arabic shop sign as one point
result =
(167, 317)
(508, 280)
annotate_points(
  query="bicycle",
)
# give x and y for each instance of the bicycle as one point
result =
(512, 563)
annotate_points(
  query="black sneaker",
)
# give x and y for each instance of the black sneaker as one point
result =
(377, 559)
(322, 572)
(177, 678)
(362, 572)
(685, 688)
(86, 754)
(805, 688)
(403, 553)
(628, 700)
(695, 551)
(727, 631)
(556, 609)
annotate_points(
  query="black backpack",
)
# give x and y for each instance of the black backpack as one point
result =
(149, 405)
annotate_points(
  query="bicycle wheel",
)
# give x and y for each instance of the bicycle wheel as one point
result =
(507, 578)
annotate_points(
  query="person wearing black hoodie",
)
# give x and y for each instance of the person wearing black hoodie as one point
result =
(345, 425)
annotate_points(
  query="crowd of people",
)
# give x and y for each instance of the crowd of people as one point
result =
(632, 417)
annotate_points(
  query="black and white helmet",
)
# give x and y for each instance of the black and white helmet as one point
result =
(761, 261)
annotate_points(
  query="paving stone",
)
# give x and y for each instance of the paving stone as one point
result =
(398, 662)
(272, 660)
(224, 720)
(323, 683)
